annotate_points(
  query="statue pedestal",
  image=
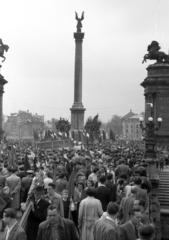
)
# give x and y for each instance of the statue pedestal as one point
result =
(2, 83)
(156, 91)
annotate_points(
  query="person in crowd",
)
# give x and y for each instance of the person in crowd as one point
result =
(129, 230)
(2, 179)
(14, 184)
(127, 204)
(106, 227)
(111, 170)
(47, 180)
(66, 203)
(93, 176)
(103, 193)
(141, 204)
(122, 168)
(26, 183)
(89, 211)
(38, 213)
(56, 227)
(146, 231)
(112, 186)
(141, 193)
(61, 183)
(54, 198)
(13, 230)
(7, 204)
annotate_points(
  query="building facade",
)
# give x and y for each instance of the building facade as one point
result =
(131, 126)
(22, 125)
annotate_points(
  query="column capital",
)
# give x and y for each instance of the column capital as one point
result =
(78, 36)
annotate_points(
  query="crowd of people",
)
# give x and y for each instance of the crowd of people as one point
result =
(94, 193)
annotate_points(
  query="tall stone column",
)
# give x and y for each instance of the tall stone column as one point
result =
(2, 83)
(77, 110)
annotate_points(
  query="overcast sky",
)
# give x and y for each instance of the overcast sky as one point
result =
(39, 65)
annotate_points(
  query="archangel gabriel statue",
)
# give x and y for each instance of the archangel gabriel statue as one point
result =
(79, 21)
(155, 54)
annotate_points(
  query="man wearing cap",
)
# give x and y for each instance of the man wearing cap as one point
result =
(38, 213)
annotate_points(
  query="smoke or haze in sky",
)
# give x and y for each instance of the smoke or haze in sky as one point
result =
(39, 65)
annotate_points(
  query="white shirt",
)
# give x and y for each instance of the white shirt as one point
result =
(9, 230)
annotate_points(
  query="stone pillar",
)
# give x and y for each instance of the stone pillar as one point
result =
(156, 89)
(2, 83)
(77, 110)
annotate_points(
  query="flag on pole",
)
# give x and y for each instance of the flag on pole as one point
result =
(112, 135)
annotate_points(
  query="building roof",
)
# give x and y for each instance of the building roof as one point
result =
(137, 116)
(129, 115)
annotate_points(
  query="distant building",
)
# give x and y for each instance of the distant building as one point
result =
(20, 125)
(131, 126)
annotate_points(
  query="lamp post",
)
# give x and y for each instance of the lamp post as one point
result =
(150, 130)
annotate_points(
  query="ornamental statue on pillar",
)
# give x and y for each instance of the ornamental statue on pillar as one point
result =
(156, 89)
(3, 48)
(77, 110)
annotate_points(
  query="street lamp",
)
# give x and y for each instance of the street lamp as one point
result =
(150, 129)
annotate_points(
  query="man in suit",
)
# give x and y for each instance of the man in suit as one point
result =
(12, 231)
(141, 193)
(105, 227)
(56, 227)
(112, 186)
(129, 230)
(38, 213)
(103, 193)
(14, 184)
(126, 204)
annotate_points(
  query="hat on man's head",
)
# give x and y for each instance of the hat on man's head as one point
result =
(39, 190)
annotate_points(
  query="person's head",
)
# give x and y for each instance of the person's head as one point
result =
(110, 167)
(135, 216)
(123, 176)
(52, 214)
(38, 193)
(51, 188)
(146, 231)
(80, 186)
(9, 216)
(112, 209)
(109, 176)
(140, 203)
(61, 175)
(14, 170)
(65, 194)
(134, 190)
(89, 183)
(137, 181)
(102, 179)
(90, 191)
(95, 170)
(102, 169)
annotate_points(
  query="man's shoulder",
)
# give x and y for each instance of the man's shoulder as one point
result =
(44, 224)
(125, 225)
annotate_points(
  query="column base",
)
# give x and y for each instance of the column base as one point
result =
(77, 118)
